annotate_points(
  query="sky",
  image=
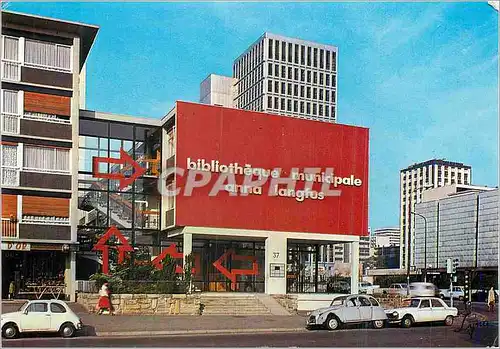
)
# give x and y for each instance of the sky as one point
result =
(423, 77)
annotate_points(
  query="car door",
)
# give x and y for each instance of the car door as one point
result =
(365, 309)
(438, 310)
(58, 316)
(350, 311)
(424, 312)
(36, 317)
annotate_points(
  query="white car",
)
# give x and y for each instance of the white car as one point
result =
(399, 289)
(366, 287)
(41, 316)
(348, 310)
(458, 293)
(422, 309)
(423, 289)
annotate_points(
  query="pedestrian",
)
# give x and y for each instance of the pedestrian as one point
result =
(12, 289)
(104, 300)
(491, 300)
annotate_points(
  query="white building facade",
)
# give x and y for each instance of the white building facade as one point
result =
(414, 180)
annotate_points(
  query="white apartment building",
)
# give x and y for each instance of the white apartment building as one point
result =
(384, 237)
(218, 90)
(414, 180)
(289, 77)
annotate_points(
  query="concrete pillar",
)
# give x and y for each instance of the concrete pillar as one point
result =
(187, 244)
(70, 276)
(276, 255)
(354, 266)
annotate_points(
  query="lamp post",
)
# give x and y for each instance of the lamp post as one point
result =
(425, 244)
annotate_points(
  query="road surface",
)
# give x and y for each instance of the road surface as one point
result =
(421, 336)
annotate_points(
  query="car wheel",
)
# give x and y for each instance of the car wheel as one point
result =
(332, 322)
(407, 321)
(67, 330)
(449, 320)
(10, 331)
(378, 324)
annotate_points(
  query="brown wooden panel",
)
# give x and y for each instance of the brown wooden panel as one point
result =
(45, 129)
(45, 180)
(9, 205)
(44, 206)
(46, 77)
(48, 104)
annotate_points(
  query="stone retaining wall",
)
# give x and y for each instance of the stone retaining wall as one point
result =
(287, 301)
(160, 304)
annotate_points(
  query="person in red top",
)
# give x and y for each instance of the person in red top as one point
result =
(104, 300)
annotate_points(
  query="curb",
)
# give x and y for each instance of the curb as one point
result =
(197, 332)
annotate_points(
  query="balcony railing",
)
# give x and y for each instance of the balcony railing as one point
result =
(11, 70)
(10, 176)
(9, 228)
(10, 123)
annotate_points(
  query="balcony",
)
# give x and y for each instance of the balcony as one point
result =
(10, 176)
(11, 70)
(9, 228)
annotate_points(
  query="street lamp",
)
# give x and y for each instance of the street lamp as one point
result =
(425, 244)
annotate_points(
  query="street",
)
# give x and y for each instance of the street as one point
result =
(420, 336)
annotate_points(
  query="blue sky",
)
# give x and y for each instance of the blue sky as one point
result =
(422, 76)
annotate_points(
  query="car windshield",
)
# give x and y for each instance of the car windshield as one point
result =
(22, 307)
(414, 303)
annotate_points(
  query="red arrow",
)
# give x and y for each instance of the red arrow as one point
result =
(123, 160)
(231, 275)
(104, 248)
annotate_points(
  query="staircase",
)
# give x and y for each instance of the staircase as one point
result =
(238, 304)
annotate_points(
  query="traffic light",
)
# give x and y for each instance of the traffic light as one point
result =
(466, 286)
(455, 265)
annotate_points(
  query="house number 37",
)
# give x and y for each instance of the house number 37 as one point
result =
(276, 255)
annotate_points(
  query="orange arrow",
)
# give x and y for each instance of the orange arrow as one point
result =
(231, 275)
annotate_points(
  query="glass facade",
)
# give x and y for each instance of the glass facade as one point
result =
(134, 209)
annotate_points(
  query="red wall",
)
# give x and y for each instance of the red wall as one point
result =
(268, 141)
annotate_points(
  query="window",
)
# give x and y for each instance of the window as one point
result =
(327, 111)
(320, 110)
(308, 92)
(295, 106)
(296, 74)
(315, 59)
(11, 48)
(321, 57)
(425, 303)
(276, 86)
(269, 86)
(315, 78)
(296, 54)
(270, 68)
(282, 107)
(327, 79)
(302, 91)
(314, 108)
(309, 56)
(302, 75)
(289, 52)
(276, 70)
(327, 60)
(436, 303)
(283, 51)
(308, 76)
(270, 102)
(46, 54)
(315, 93)
(46, 159)
(302, 55)
(170, 143)
(333, 96)
(334, 80)
(283, 88)
(283, 72)
(321, 78)
(334, 61)
(270, 49)
(327, 96)
(308, 108)
(10, 111)
(295, 90)
(289, 89)
(289, 105)
(57, 308)
(37, 308)
(290, 73)
(364, 301)
(302, 107)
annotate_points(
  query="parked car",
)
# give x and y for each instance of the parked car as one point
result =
(398, 289)
(41, 316)
(346, 310)
(423, 289)
(457, 293)
(366, 287)
(423, 309)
